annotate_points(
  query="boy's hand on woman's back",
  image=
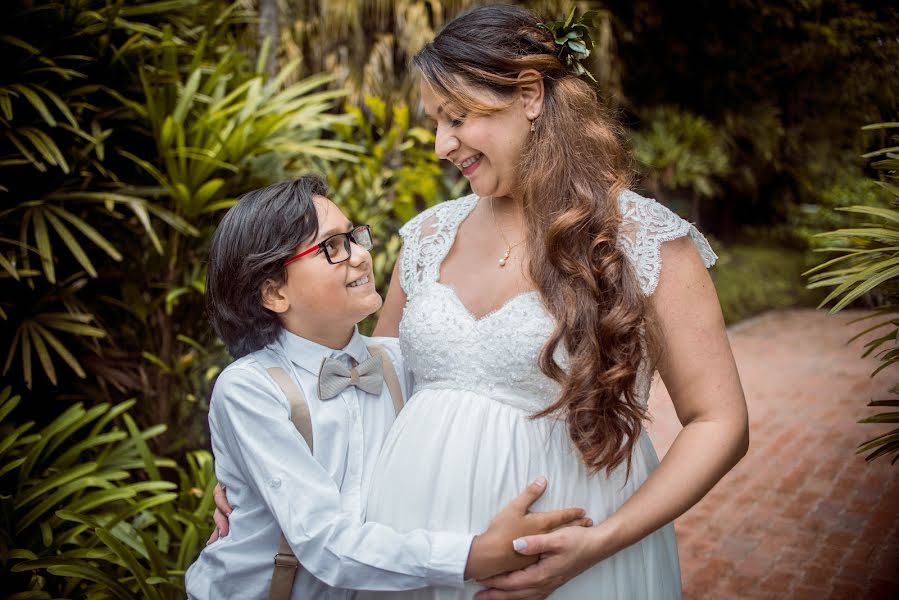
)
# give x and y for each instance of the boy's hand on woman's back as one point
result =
(220, 516)
(492, 552)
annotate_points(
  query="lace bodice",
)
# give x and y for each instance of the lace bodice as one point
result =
(445, 346)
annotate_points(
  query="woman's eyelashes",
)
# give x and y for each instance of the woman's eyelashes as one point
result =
(457, 120)
(454, 122)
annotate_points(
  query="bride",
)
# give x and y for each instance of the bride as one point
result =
(532, 315)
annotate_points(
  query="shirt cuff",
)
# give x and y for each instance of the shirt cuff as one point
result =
(449, 555)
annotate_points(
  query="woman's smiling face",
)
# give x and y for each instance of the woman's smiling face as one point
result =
(486, 149)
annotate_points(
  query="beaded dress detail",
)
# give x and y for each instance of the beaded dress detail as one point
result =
(464, 445)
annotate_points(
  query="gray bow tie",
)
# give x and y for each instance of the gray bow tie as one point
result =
(334, 377)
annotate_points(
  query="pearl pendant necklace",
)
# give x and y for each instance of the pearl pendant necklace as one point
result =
(505, 258)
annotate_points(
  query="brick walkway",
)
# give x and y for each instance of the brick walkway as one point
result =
(801, 516)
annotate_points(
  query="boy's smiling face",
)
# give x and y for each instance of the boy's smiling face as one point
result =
(320, 301)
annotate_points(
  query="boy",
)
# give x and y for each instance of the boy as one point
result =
(289, 279)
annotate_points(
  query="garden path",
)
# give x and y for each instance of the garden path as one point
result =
(802, 515)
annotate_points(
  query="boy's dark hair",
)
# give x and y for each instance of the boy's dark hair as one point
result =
(250, 245)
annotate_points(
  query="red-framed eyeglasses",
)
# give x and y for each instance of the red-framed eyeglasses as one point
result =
(337, 248)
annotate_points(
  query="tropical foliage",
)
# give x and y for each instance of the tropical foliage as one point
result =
(681, 153)
(867, 264)
(367, 45)
(97, 517)
(784, 83)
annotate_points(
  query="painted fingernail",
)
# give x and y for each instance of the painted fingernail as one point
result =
(541, 481)
(519, 544)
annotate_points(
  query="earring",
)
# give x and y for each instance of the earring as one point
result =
(533, 128)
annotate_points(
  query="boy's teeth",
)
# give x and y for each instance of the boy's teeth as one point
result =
(360, 281)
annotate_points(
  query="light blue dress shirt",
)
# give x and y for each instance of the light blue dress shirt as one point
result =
(317, 498)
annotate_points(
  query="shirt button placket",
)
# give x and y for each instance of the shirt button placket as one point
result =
(354, 479)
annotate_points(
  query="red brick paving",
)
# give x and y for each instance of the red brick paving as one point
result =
(802, 515)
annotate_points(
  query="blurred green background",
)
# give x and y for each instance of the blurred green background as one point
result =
(128, 128)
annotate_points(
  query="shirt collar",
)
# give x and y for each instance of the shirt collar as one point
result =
(309, 355)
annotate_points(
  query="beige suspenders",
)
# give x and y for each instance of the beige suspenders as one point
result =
(286, 562)
(390, 378)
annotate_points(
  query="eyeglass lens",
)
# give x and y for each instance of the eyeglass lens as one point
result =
(337, 247)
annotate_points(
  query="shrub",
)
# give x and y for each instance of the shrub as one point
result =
(751, 279)
(681, 152)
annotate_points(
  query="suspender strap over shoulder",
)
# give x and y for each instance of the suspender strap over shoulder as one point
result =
(299, 408)
(286, 563)
(390, 377)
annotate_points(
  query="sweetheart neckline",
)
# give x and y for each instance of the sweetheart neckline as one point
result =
(452, 292)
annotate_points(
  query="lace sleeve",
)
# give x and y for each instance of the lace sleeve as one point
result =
(426, 240)
(645, 226)
(409, 256)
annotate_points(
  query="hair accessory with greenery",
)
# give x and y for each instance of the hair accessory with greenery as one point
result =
(573, 38)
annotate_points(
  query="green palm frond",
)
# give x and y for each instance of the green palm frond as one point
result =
(89, 504)
(867, 262)
(887, 443)
(39, 219)
(35, 337)
(139, 206)
(208, 125)
(37, 121)
(869, 258)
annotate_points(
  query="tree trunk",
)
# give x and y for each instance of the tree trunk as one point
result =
(268, 28)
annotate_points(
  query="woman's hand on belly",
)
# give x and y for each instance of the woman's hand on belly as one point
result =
(564, 554)
(492, 552)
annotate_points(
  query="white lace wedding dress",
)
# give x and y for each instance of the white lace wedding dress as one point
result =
(463, 446)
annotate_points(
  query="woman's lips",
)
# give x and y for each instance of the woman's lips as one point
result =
(471, 166)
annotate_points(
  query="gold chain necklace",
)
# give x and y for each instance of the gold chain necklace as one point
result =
(509, 247)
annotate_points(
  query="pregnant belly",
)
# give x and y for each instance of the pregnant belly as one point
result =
(454, 458)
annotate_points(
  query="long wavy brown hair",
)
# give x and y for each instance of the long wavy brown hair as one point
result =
(570, 175)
